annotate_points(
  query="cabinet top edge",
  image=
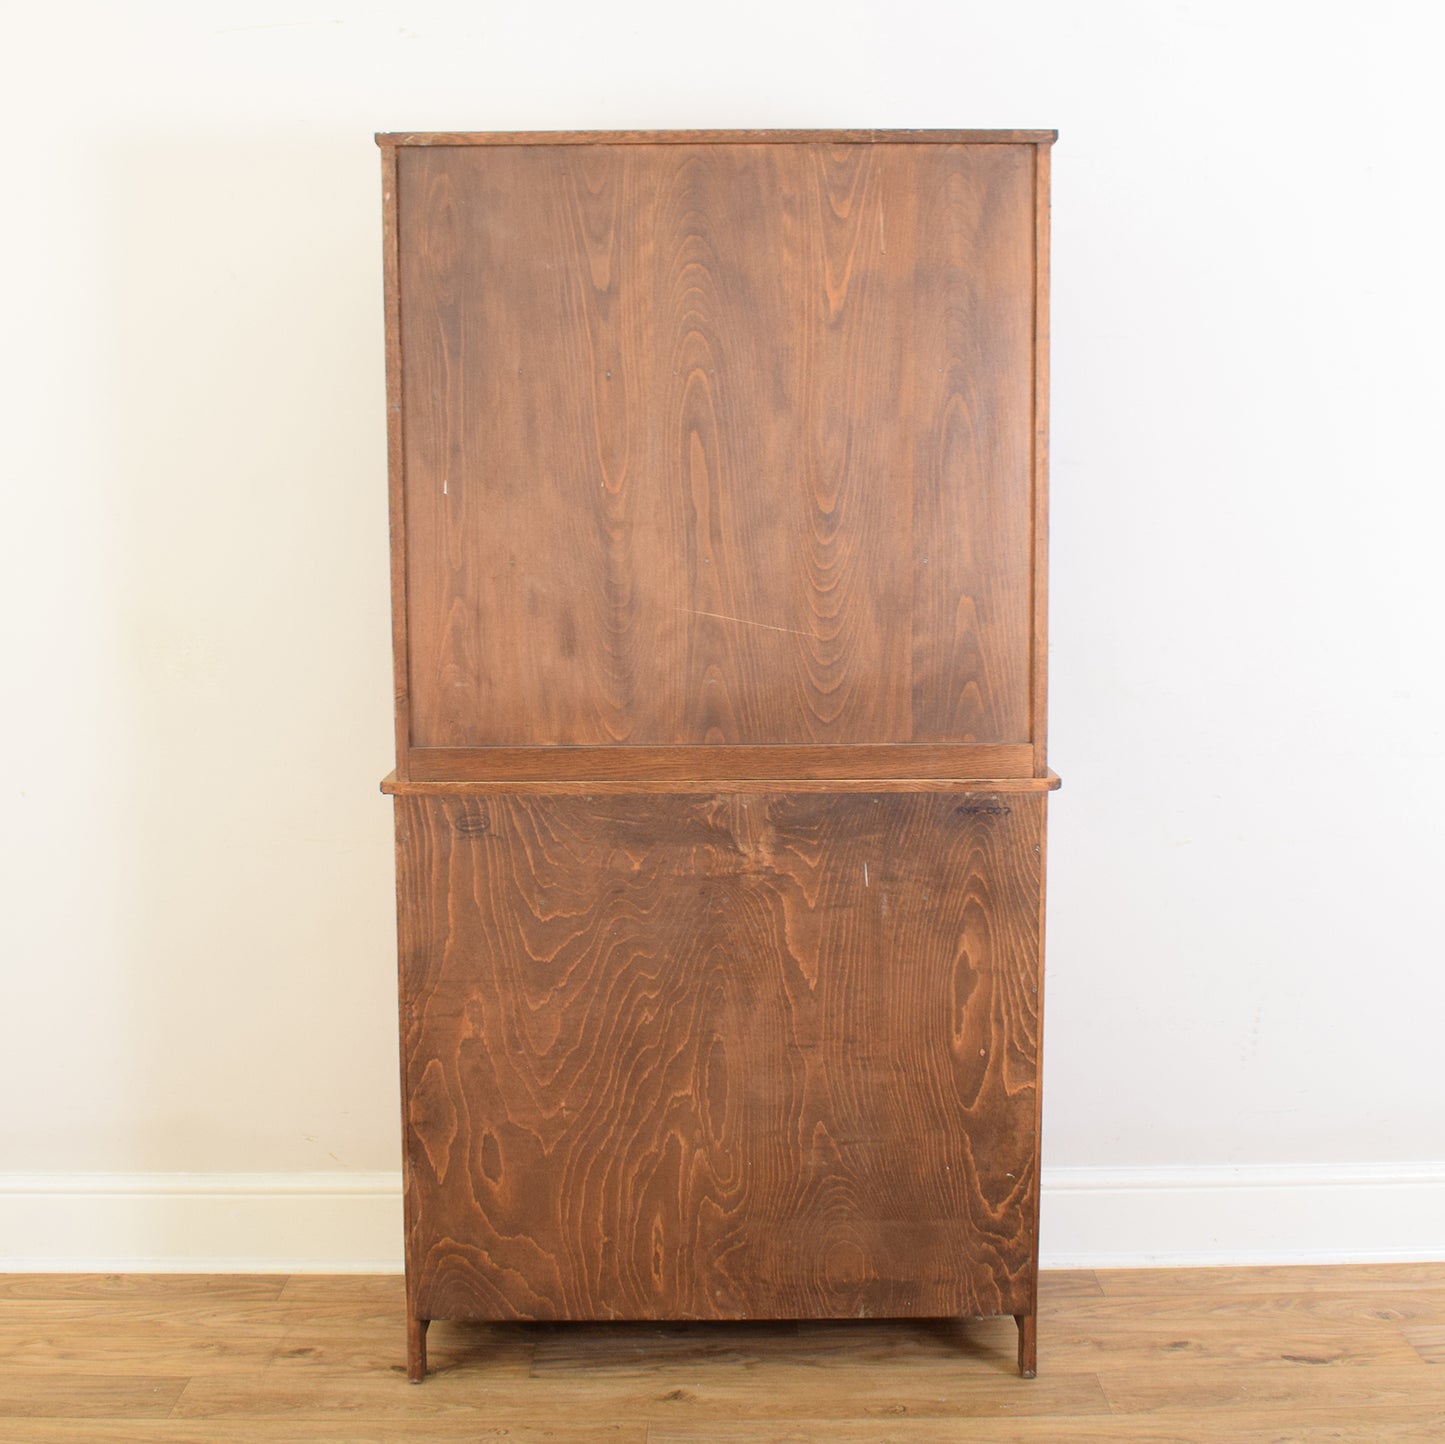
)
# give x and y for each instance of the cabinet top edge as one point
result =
(389, 139)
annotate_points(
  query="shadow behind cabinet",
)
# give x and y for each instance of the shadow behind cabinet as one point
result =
(717, 503)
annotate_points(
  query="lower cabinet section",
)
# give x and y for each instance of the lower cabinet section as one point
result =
(720, 1057)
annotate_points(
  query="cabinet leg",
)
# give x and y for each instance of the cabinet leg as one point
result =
(416, 1349)
(1028, 1345)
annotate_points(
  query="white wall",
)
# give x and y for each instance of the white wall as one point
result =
(1245, 947)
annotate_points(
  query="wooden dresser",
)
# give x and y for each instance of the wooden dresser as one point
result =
(718, 467)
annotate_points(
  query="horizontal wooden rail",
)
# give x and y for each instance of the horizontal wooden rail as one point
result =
(718, 764)
(604, 786)
(720, 137)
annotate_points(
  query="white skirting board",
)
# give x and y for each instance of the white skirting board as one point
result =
(200, 1222)
(351, 1222)
(1222, 1214)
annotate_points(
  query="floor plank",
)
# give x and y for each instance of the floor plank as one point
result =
(664, 1394)
(1316, 1427)
(87, 1396)
(1272, 1279)
(474, 1429)
(379, 1289)
(1284, 1387)
(1257, 1310)
(217, 1288)
(1195, 1356)
(1428, 1340)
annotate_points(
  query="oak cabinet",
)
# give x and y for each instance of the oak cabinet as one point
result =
(718, 469)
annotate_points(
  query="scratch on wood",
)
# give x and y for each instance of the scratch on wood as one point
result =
(743, 622)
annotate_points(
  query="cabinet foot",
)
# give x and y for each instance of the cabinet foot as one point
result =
(416, 1349)
(1028, 1345)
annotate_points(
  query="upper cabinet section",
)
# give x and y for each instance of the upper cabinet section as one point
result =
(716, 442)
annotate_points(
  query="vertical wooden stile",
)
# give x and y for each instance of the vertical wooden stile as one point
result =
(1040, 690)
(396, 478)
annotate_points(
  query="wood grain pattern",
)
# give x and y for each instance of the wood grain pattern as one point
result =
(971, 410)
(718, 444)
(720, 1058)
(718, 574)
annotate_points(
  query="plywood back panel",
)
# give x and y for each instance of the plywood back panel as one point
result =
(717, 443)
(767, 1056)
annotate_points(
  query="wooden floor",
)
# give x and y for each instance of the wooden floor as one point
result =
(1238, 1355)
